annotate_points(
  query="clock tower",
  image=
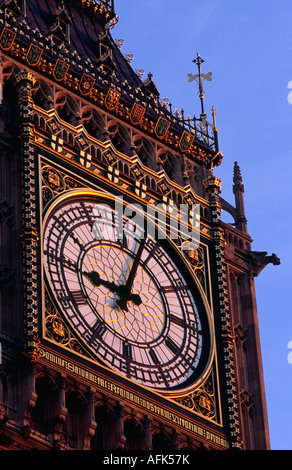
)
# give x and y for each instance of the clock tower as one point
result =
(128, 314)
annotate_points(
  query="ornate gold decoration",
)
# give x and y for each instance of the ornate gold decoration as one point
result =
(56, 329)
(112, 98)
(120, 42)
(7, 39)
(140, 72)
(161, 127)
(186, 141)
(137, 113)
(202, 400)
(55, 182)
(196, 258)
(129, 57)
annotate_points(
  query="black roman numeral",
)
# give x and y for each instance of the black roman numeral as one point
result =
(172, 288)
(68, 264)
(153, 356)
(78, 297)
(85, 211)
(127, 350)
(172, 346)
(99, 330)
(154, 248)
(177, 320)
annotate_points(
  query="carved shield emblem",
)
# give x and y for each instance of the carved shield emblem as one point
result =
(112, 98)
(34, 54)
(113, 174)
(60, 70)
(140, 189)
(7, 39)
(137, 113)
(186, 141)
(85, 159)
(86, 84)
(161, 127)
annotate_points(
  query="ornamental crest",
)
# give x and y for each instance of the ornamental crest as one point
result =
(34, 54)
(7, 39)
(60, 70)
(112, 98)
(86, 84)
(186, 141)
(161, 127)
(140, 189)
(113, 174)
(137, 113)
(85, 159)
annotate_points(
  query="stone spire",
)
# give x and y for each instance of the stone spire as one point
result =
(238, 189)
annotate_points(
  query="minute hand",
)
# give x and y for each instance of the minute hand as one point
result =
(133, 271)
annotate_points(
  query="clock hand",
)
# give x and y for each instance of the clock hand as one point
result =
(123, 293)
(95, 279)
(125, 297)
(133, 271)
(127, 263)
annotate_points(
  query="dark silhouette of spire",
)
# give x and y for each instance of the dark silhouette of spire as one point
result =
(238, 189)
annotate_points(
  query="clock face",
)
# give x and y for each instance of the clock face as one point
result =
(127, 296)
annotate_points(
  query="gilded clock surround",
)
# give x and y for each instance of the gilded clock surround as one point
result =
(200, 396)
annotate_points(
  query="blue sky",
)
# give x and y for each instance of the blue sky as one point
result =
(248, 48)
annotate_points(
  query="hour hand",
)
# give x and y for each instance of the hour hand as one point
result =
(124, 294)
(125, 297)
(93, 277)
(96, 280)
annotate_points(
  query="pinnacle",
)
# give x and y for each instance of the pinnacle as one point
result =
(237, 173)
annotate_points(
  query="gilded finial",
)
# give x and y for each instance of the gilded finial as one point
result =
(120, 42)
(140, 72)
(129, 57)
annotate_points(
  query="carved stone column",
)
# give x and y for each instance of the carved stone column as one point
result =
(213, 187)
(148, 434)
(29, 233)
(61, 413)
(120, 438)
(90, 425)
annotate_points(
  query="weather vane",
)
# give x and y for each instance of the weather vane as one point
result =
(200, 78)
